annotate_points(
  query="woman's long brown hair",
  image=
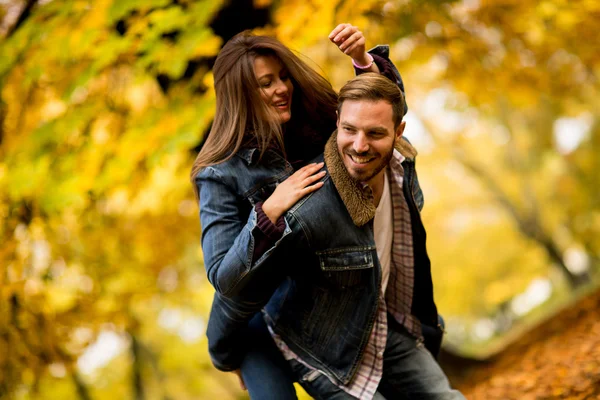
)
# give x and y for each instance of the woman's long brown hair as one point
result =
(241, 115)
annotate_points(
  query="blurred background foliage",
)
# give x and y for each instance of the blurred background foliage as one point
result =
(104, 105)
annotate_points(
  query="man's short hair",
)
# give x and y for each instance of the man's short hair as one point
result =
(372, 86)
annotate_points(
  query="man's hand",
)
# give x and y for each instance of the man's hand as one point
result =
(238, 372)
(351, 42)
(293, 189)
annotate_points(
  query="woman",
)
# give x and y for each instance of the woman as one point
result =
(274, 113)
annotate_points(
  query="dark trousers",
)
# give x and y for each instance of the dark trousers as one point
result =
(266, 373)
(410, 372)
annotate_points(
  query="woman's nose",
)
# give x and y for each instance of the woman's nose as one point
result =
(280, 87)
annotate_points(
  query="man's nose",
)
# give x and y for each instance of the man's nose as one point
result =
(361, 144)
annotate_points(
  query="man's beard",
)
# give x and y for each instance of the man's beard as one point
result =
(385, 160)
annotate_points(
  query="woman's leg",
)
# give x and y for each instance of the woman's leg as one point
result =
(266, 374)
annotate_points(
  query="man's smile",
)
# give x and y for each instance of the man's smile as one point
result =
(361, 160)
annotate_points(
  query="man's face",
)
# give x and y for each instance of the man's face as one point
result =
(366, 138)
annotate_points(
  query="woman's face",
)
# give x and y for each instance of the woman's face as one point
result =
(275, 84)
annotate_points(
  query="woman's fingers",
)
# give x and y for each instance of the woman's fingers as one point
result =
(293, 189)
(308, 170)
(312, 173)
(336, 31)
(344, 33)
(308, 167)
(311, 188)
(351, 40)
(357, 46)
(312, 178)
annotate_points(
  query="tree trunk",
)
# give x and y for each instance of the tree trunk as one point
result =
(137, 380)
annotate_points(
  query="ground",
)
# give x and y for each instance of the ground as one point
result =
(558, 359)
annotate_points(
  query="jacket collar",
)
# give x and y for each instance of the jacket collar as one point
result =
(251, 154)
(247, 154)
(357, 199)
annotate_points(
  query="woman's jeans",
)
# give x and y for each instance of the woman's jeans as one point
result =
(266, 374)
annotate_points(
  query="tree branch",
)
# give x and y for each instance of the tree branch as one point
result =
(25, 13)
(82, 390)
(527, 223)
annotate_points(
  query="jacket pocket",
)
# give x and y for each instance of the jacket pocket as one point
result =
(344, 268)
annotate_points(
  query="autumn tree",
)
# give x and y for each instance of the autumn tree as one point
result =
(104, 104)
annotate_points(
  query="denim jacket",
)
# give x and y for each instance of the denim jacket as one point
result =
(228, 193)
(326, 306)
(325, 310)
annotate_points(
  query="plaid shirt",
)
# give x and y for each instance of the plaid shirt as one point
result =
(397, 299)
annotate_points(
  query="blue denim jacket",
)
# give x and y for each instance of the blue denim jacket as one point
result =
(228, 192)
(325, 310)
(326, 306)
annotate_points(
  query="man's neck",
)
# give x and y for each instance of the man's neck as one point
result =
(376, 185)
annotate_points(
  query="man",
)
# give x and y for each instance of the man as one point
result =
(350, 313)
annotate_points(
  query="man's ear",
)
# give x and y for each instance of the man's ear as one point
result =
(400, 129)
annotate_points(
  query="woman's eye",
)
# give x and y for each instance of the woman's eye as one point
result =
(265, 84)
(285, 77)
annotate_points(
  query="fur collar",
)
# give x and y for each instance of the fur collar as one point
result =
(358, 200)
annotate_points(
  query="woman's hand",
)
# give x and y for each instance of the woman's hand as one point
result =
(238, 372)
(293, 189)
(351, 42)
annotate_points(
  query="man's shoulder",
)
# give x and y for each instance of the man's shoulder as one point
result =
(317, 159)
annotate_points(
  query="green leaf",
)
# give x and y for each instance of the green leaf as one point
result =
(122, 8)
